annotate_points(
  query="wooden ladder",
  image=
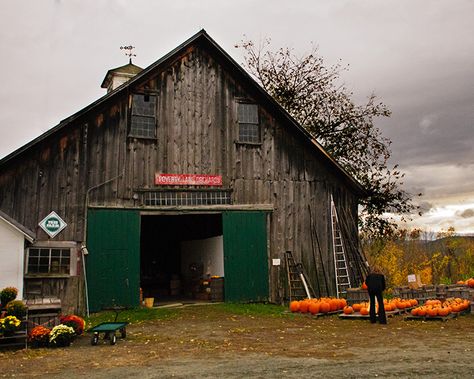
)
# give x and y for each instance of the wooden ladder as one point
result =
(298, 283)
(343, 281)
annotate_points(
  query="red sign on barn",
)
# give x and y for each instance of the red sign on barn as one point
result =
(187, 180)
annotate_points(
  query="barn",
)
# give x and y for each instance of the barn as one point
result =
(183, 173)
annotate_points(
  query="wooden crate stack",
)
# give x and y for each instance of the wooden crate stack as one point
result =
(356, 295)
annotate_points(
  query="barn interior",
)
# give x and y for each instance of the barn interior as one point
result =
(179, 256)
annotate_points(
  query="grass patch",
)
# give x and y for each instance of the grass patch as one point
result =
(132, 316)
(140, 315)
(254, 309)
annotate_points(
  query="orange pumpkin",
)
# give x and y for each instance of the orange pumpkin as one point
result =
(324, 307)
(432, 312)
(334, 304)
(363, 286)
(364, 311)
(357, 307)
(343, 303)
(455, 308)
(348, 310)
(304, 305)
(314, 307)
(295, 306)
(422, 311)
(400, 304)
(414, 312)
(443, 311)
(470, 282)
(466, 304)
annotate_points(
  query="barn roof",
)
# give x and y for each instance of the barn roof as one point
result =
(29, 235)
(202, 38)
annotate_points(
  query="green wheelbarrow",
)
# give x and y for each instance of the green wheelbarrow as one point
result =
(109, 329)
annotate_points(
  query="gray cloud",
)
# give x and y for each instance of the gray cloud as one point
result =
(467, 213)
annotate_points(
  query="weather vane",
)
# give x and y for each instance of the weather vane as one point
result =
(128, 51)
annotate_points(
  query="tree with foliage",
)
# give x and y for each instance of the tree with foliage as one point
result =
(444, 258)
(311, 93)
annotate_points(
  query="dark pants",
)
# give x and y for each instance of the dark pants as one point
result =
(373, 317)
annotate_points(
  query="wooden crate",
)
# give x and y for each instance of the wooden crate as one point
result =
(356, 295)
(462, 292)
(19, 339)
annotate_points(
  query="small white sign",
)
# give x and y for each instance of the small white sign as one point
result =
(276, 262)
(52, 224)
(411, 278)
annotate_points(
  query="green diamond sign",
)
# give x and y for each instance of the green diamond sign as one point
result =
(52, 224)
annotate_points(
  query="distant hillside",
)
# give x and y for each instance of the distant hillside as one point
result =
(458, 243)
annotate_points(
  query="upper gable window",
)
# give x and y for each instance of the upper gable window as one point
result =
(143, 120)
(249, 128)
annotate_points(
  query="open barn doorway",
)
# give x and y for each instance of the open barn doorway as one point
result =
(179, 254)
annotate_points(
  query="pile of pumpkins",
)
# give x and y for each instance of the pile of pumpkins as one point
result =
(389, 305)
(468, 282)
(320, 305)
(434, 308)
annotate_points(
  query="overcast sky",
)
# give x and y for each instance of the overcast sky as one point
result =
(417, 56)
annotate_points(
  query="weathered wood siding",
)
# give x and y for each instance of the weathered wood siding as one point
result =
(91, 160)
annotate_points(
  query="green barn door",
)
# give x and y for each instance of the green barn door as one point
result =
(245, 256)
(113, 263)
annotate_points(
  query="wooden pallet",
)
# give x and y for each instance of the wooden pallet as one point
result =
(308, 314)
(357, 315)
(326, 314)
(431, 318)
(437, 318)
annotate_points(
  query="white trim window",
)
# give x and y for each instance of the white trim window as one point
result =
(48, 261)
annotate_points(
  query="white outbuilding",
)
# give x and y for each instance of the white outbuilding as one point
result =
(13, 237)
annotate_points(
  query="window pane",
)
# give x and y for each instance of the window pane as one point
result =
(144, 105)
(143, 127)
(43, 269)
(44, 261)
(34, 252)
(44, 253)
(55, 253)
(54, 265)
(32, 268)
(249, 133)
(248, 113)
(65, 253)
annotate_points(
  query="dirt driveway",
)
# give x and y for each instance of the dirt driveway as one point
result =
(212, 342)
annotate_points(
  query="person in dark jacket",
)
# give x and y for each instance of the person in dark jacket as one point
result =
(375, 282)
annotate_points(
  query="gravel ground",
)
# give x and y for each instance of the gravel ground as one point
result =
(206, 341)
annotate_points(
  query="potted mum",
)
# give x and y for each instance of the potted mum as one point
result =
(61, 336)
(8, 294)
(9, 325)
(75, 322)
(39, 336)
(16, 308)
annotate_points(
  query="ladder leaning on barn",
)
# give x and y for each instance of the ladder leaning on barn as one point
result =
(341, 272)
(298, 284)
